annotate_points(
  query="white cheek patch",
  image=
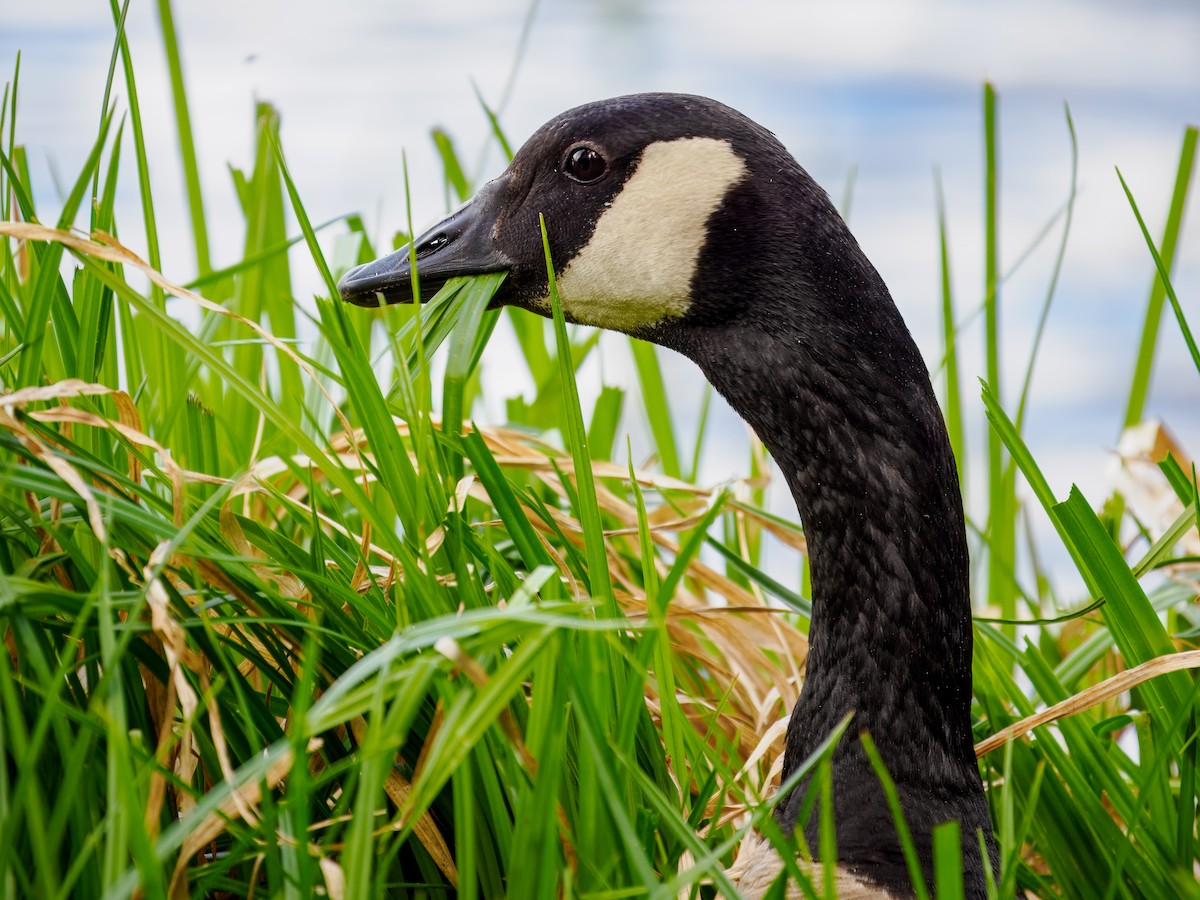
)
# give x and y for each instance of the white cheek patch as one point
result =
(637, 268)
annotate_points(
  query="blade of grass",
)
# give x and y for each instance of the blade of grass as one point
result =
(1164, 276)
(463, 358)
(947, 861)
(907, 847)
(1139, 387)
(1001, 530)
(1040, 329)
(952, 402)
(756, 575)
(606, 417)
(1138, 631)
(575, 436)
(454, 176)
(108, 82)
(48, 300)
(658, 408)
(671, 714)
(160, 363)
(187, 146)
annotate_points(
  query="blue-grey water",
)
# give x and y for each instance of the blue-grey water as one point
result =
(888, 91)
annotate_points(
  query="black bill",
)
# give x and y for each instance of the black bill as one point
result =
(462, 244)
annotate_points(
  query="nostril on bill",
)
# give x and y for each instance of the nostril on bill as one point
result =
(436, 242)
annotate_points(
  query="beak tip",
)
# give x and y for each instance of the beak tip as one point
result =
(361, 285)
(345, 286)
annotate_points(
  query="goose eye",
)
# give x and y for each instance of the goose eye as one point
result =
(584, 165)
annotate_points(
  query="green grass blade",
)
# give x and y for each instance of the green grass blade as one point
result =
(97, 345)
(1164, 276)
(10, 97)
(494, 121)
(1040, 328)
(671, 714)
(658, 408)
(605, 420)
(161, 365)
(48, 300)
(947, 862)
(952, 402)
(463, 356)
(1001, 501)
(1143, 366)
(105, 107)
(756, 575)
(701, 430)
(907, 847)
(575, 435)
(450, 165)
(1137, 628)
(187, 145)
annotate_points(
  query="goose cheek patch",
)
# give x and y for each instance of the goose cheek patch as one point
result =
(637, 268)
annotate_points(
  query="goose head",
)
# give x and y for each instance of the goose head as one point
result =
(659, 209)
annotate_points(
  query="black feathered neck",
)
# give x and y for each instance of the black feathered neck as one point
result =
(795, 328)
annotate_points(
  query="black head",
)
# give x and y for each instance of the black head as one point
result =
(628, 188)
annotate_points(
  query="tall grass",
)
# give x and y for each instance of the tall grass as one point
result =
(275, 624)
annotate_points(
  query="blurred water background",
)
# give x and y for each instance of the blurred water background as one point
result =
(875, 94)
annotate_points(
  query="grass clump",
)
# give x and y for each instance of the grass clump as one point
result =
(275, 623)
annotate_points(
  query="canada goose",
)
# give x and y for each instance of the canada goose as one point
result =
(678, 220)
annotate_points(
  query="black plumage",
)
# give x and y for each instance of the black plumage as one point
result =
(791, 323)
